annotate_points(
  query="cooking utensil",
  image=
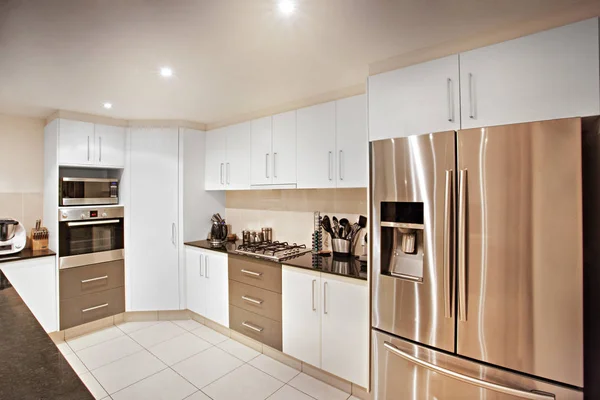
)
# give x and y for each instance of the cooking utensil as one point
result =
(362, 221)
(336, 228)
(345, 224)
(326, 224)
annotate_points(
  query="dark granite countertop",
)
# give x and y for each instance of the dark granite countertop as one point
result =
(26, 254)
(31, 366)
(343, 266)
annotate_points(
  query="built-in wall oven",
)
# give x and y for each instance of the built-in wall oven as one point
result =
(90, 235)
(88, 191)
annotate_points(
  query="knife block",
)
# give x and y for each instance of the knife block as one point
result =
(39, 239)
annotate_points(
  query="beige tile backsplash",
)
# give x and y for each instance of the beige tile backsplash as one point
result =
(290, 212)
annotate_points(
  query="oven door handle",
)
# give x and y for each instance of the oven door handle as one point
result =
(100, 222)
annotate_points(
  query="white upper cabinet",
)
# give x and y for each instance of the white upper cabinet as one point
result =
(351, 142)
(237, 171)
(75, 143)
(284, 148)
(316, 146)
(215, 159)
(88, 144)
(419, 99)
(261, 157)
(110, 146)
(548, 75)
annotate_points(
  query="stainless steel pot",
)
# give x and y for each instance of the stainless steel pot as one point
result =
(7, 229)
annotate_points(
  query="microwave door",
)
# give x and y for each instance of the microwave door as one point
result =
(520, 248)
(412, 208)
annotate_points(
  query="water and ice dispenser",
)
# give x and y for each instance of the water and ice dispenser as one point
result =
(402, 240)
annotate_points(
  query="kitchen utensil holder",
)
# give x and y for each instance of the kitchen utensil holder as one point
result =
(39, 239)
(341, 246)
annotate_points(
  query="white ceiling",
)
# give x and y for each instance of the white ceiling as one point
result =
(230, 57)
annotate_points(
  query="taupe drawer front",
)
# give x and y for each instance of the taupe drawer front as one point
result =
(263, 274)
(91, 279)
(90, 307)
(257, 300)
(256, 326)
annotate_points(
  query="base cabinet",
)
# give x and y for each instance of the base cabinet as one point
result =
(326, 322)
(207, 284)
(35, 281)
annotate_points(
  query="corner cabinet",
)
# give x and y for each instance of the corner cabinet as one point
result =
(90, 145)
(326, 322)
(333, 144)
(548, 75)
(228, 158)
(207, 284)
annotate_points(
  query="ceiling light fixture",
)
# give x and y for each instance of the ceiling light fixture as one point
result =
(166, 72)
(287, 7)
(108, 106)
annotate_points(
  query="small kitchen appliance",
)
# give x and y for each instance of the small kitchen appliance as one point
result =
(218, 231)
(88, 191)
(12, 236)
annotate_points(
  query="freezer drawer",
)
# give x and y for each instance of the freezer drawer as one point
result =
(403, 370)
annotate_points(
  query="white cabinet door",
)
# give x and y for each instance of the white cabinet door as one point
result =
(345, 328)
(351, 142)
(316, 146)
(237, 171)
(75, 142)
(217, 277)
(419, 99)
(301, 307)
(548, 75)
(261, 160)
(215, 155)
(110, 146)
(152, 250)
(284, 148)
(194, 279)
(35, 281)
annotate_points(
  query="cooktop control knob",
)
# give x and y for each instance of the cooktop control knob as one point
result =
(82, 216)
(64, 215)
(104, 215)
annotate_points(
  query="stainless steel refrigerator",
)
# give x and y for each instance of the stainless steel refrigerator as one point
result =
(477, 263)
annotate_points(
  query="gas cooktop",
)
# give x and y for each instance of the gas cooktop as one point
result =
(275, 251)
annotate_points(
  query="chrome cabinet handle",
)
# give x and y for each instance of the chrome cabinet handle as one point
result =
(267, 165)
(462, 238)
(100, 148)
(340, 162)
(228, 173)
(99, 222)
(173, 233)
(450, 101)
(313, 295)
(253, 327)
(471, 104)
(252, 300)
(330, 165)
(88, 150)
(206, 267)
(201, 274)
(221, 172)
(325, 298)
(95, 279)
(251, 273)
(467, 379)
(95, 308)
(447, 245)
(274, 165)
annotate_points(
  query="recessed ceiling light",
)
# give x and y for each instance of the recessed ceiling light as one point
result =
(108, 106)
(287, 7)
(166, 72)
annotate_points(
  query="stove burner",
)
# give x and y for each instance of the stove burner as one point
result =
(277, 251)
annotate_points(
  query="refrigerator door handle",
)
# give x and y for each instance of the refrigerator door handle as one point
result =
(448, 217)
(468, 379)
(462, 248)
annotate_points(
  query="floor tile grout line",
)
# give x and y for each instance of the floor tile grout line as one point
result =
(90, 333)
(116, 359)
(273, 394)
(184, 378)
(139, 329)
(300, 390)
(138, 381)
(274, 377)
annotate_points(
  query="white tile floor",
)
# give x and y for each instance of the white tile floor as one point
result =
(184, 360)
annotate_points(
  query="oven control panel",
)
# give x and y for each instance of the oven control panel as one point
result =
(89, 213)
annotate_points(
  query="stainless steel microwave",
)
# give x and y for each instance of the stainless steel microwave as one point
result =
(88, 191)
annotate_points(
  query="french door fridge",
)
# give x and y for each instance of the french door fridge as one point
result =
(477, 263)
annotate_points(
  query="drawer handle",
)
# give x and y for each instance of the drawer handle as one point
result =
(251, 273)
(253, 327)
(94, 279)
(251, 300)
(95, 308)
